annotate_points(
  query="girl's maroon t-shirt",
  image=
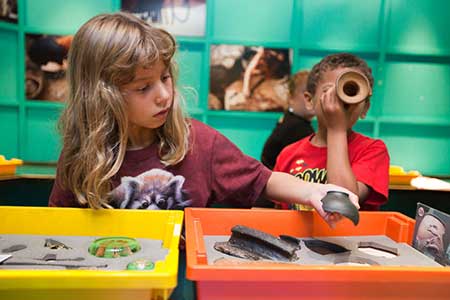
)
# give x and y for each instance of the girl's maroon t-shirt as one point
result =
(214, 171)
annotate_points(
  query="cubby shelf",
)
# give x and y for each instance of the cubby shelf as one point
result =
(47, 30)
(8, 26)
(44, 104)
(244, 114)
(322, 47)
(405, 42)
(8, 103)
(412, 120)
(190, 40)
(250, 43)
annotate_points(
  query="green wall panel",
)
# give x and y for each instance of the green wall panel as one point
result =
(423, 148)
(8, 66)
(406, 42)
(248, 134)
(307, 59)
(419, 27)
(42, 138)
(9, 127)
(364, 127)
(50, 16)
(339, 25)
(252, 20)
(190, 60)
(417, 89)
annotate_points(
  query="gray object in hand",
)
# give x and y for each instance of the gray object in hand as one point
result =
(339, 202)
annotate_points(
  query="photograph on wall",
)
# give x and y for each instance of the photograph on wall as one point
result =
(179, 17)
(8, 11)
(248, 78)
(432, 233)
(46, 65)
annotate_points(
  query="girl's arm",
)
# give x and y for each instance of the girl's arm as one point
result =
(287, 188)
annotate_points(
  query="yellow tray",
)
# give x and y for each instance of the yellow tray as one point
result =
(92, 284)
(397, 175)
(8, 167)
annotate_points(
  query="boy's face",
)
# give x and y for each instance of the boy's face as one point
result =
(349, 113)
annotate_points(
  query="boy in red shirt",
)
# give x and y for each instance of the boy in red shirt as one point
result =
(335, 153)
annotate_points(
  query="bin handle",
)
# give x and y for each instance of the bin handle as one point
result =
(200, 251)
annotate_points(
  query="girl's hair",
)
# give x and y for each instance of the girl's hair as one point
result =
(334, 61)
(297, 80)
(104, 55)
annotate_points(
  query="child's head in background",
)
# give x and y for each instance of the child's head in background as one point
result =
(297, 88)
(121, 96)
(323, 76)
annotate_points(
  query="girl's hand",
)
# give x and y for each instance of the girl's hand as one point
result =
(316, 202)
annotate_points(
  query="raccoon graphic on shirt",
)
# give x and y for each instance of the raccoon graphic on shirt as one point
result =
(154, 189)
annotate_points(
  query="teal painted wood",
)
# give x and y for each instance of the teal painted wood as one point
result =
(9, 116)
(248, 135)
(417, 89)
(42, 141)
(406, 43)
(341, 25)
(62, 17)
(8, 63)
(418, 147)
(8, 26)
(252, 20)
(20, 77)
(419, 27)
(190, 65)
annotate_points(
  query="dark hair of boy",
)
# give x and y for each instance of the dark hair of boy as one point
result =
(334, 61)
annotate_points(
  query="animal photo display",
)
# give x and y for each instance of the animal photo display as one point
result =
(8, 11)
(179, 17)
(248, 78)
(432, 233)
(46, 65)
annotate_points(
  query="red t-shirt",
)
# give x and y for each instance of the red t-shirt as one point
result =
(369, 160)
(213, 171)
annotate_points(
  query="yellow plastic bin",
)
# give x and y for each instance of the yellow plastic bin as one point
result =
(92, 284)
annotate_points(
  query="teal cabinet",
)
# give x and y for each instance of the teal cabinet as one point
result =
(249, 135)
(418, 147)
(190, 58)
(42, 141)
(405, 42)
(419, 27)
(8, 64)
(61, 17)
(339, 25)
(9, 128)
(251, 21)
(417, 90)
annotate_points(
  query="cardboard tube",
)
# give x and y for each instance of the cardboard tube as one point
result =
(353, 87)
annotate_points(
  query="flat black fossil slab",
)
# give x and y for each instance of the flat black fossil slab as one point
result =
(249, 243)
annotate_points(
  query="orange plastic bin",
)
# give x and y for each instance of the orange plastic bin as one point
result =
(291, 281)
